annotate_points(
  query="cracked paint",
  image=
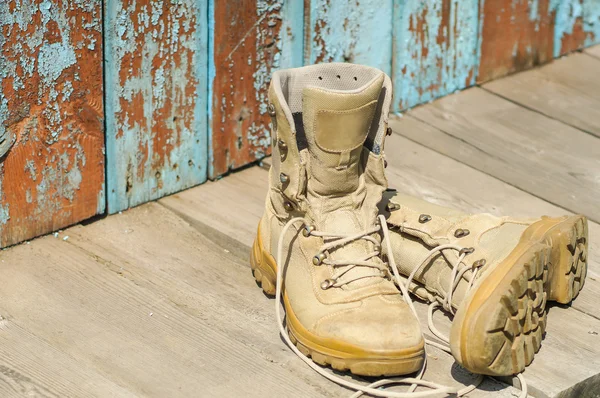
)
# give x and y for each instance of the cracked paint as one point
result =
(246, 46)
(156, 99)
(51, 116)
(351, 31)
(435, 49)
(516, 35)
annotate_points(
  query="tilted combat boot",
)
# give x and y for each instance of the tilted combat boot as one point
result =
(494, 273)
(326, 179)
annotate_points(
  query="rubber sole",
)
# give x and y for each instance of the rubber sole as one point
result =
(500, 326)
(326, 351)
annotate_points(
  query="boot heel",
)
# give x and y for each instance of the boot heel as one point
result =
(568, 259)
(263, 266)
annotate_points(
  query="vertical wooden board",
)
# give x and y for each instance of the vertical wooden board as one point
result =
(249, 40)
(156, 98)
(350, 31)
(51, 116)
(515, 35)
(569, 32)
(591, 22)
(435, 49)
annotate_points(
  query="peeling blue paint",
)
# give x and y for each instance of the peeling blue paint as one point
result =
(434, 54)
(591, 22)
(351, 31)
(137, 171)
(566, 14)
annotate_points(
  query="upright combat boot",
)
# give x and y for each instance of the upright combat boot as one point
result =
(495, 273)
(326, 179)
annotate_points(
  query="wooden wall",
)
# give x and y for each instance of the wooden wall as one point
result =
(156, 57)
(184, 95)
(51, 116)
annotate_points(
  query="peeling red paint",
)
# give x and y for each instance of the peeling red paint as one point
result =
(53, 176)
(247, 41)
(512, 40)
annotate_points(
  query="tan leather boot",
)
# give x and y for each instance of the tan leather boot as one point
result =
(342, 309)
(494, 273)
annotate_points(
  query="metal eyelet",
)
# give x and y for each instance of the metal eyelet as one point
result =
(391, 206)
(423, 218)
(388, 131)
(318, 259)
(283, 149)
(327, 283)
(306, 231)
(288, 206)
(283, 178)
(271, 110)
(459, 233)
(479, 263)
(466, 250)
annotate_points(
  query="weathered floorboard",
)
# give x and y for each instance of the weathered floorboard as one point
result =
(248, 39)
(51, 116)
(349, 31)
(159, 311)
(435, 49)
(593, 51)
(540, 155)
(567, 90)
(156, 96)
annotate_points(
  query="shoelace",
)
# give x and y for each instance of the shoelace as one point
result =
(339, 240)
(446, 303)
(372, 389)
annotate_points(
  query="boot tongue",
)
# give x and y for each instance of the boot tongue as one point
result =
(336, 124)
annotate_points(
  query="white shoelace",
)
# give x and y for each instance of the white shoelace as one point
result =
(372, 389)
(446, 303)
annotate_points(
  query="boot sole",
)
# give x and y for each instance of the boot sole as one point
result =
(500, 326)
(326, 351)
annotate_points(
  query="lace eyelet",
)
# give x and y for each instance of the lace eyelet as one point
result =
(288, 206)
(306, 231)
(479, 263)
(460, 233)
(423, 218)
(466, 250)
(327, 283)
(391, 206)
(318, 259)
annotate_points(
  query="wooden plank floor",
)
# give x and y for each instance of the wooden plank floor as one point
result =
(159, 301)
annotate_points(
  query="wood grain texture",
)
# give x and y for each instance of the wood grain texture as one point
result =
(161, 312)
(422, 172)
(247, 41)
(350, 31)
(51, 116)
(567, 90)
(515, 35)
(156, 96)
(593, 51)
(541, 156)
(435, 50)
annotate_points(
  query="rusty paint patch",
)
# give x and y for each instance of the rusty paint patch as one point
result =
(568, 19)
(156, 99)
(51, 108)
(247, 42)
(516, 35)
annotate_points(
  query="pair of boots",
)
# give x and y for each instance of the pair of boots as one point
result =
(340, 249)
